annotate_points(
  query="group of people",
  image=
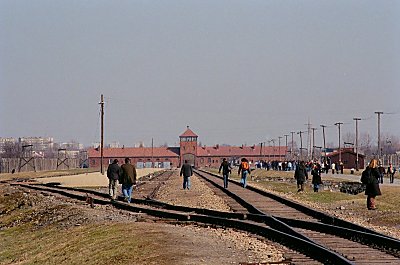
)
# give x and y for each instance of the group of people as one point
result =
(243, 171)
(125, 175)
(301, 175)
(390, 171)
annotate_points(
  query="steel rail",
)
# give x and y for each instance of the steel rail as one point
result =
(380, 241)
(321, 216)
(310, 249)
(376, 240)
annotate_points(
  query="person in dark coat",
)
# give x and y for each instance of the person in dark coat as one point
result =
(372, 188)
(316, 177)
(390, 172)
(226, 170)
(186, 172)
(301, 176)
(381, 171)
(113, 174)
(127, 179)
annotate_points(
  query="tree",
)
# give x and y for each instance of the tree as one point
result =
(11, 150)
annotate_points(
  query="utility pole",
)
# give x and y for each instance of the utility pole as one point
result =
(291, 151)
(264, 155)
(273, 141)
(313, 141)
(340, 153)
(286, 136)
(357, 165)
(323, 135)
(308, 138)
(152, 152)
(102, 133)
(279, 147)
(301, 145)
(379, 133)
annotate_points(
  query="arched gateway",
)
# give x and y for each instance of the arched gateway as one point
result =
(188, 147)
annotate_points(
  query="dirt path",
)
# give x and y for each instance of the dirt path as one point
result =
(90, 179)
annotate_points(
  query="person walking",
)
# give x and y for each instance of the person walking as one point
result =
(128, 179)
(244, 170)
(301, 176)
(391, 171)
(381, 171)
(341, 166)
(186, 172)
(226, 170)
(113, 174)
(372, 184)
(316, 177)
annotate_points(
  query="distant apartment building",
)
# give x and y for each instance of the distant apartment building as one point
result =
(114, 145)
(38, 143)
(4, 141)
(71, 146)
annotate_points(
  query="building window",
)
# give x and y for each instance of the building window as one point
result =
(202, 160)
(209, 160)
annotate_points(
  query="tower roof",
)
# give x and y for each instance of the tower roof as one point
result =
(188, 133)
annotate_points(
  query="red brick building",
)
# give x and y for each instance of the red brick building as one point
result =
(349, 158)
(199, 156)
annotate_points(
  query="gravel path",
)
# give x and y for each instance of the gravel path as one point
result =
(200, 196)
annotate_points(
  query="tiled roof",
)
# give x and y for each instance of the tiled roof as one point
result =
(188, 133)
(240, 151)
(136, 152)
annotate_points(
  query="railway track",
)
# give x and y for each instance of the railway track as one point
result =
(149, 185)
(305, 244)
(355, 243)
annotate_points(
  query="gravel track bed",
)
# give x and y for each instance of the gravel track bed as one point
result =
(201, 196)
(344, 211)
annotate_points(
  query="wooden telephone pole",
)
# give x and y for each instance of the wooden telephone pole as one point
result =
(340, 151)
(379, 153)
(323, 135)
(102, 133)
(357, 164)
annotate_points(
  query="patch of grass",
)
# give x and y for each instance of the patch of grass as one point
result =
(326, 197)
(91, 244)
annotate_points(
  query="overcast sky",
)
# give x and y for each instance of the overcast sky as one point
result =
(235, 71)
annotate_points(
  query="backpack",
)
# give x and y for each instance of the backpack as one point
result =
(366, 177)
(245, 165)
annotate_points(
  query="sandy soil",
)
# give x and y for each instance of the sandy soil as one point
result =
(90, 179)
